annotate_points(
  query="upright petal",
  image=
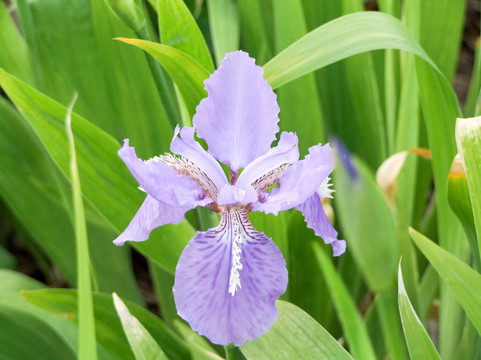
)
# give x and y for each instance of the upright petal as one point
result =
(162, 182)
(239, 117)
(228, 279)
(299, 182)
(286, 152)
(188, 147)
(317, 220)
(151, 215)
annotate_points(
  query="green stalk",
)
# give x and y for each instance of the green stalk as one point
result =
(87, 342)
(231, 352)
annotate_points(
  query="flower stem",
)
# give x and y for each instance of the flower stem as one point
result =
(231, 352)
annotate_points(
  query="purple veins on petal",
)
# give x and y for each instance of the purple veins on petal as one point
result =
(228, 279)
(238, 119)
(151, 215)
(162, 182)
(299, 181)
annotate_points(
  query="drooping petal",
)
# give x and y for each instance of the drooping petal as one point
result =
(162, 182)
(316, 219)
(299, 181)
(151, 215)
(188, 147)
(286, 152)
(228, 279)
(239, 117)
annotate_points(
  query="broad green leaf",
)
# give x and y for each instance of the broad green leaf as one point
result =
(224, 27)
(419, 344)
(24, 337)
(179, 30)
(464, 282)
(294, 335)
(110, 334)
(15, 55)
(366, 231)
(106, 182)
(468, 138)
(37, 195)
(141, 342)
(354, 329)
(339, 39)
(187, 73)
(87, 344)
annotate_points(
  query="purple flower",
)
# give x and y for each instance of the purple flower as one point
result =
(228, 278)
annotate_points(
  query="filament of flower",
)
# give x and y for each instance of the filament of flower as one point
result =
(234, 280)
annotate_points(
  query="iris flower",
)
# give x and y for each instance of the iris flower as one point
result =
(228, 278)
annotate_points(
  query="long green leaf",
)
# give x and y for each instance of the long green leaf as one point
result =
(87, 344)
(187, 73)
(464, 282)
(295, 335)
(179, 30)
(141, 342)
(419, 344)
(339, 39)
(107, 183)
(354, 328)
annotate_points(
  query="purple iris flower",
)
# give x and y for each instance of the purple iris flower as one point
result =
(228, 278)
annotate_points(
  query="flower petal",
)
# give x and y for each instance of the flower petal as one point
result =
(151, 215)
(286, 152)
(239, 117)
(299, 182)
(317, 220)
(228, 279)
(188, 147)
(162, 182)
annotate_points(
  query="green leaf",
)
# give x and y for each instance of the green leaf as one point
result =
(7, 260)
(366, 230)
(87, 344)
(468, 138)
(419, 344)
(15, 55)
(294, 335)
(354, 327)
(187, 73)
(224, 27)
(24, 337)
(339, 39)
(38, 196)
(179, 30)
(141, 342)
(110, 334)
(464, 282)
(106, 182)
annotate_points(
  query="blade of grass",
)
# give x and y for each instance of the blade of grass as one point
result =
(87, 342)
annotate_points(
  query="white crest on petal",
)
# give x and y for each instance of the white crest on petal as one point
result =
(324, 190)
(234, 279)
